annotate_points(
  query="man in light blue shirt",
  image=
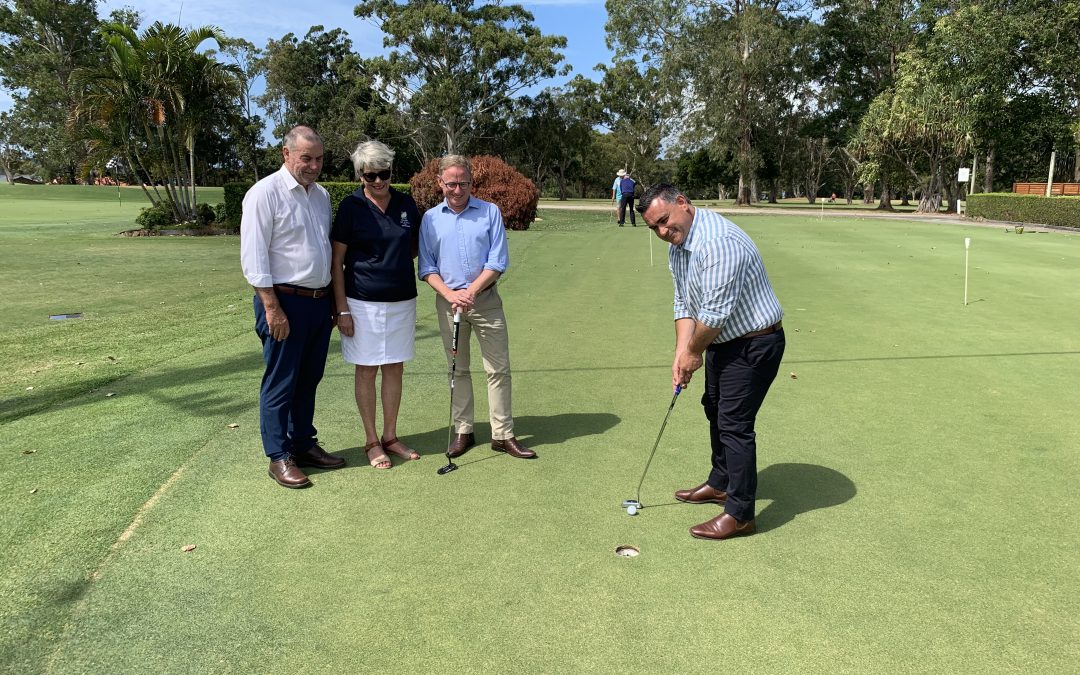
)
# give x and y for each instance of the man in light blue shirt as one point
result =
(462, 254)
(725, 308)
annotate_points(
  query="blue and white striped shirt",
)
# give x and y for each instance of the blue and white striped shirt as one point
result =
(720, 279)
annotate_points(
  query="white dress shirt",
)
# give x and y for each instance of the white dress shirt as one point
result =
(285, 233)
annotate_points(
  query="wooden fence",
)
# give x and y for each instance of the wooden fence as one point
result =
(1040, 189)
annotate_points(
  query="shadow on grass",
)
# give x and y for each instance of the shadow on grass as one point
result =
(211, 398)
(535, 431)
(799, 488)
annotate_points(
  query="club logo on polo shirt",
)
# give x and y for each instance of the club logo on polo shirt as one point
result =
(405, 220)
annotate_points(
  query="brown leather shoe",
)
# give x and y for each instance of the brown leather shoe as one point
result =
(461, 444)
(702, 494)
(513, 447)
(724, 526)
(317, 457)
(287, 474)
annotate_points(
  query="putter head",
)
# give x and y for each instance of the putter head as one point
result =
(447, 469)
(631, 502)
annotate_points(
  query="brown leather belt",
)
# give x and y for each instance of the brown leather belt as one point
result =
(778, 326)
(304, 292)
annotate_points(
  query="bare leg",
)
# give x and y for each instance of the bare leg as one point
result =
(391, 397)
(365, 403)
(391, 386)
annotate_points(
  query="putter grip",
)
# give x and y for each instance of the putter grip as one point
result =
(454, 336)
(678, 388)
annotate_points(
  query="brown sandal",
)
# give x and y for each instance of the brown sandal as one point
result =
(379, 461)
(408, 453)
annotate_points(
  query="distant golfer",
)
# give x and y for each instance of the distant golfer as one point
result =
(726, 309)
(463, 253)
(616, 191)
(285, 255)
(627, 185)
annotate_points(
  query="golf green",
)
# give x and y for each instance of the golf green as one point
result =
(917, 463)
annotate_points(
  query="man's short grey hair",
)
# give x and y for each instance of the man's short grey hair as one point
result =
(665, 192)
(298, 132)
(451, 161)
(373, 156)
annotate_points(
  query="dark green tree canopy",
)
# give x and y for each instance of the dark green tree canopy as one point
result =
(454, 64)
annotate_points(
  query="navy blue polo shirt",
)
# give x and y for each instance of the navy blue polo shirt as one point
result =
(379, 260)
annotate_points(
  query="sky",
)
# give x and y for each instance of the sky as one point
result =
(581, 22)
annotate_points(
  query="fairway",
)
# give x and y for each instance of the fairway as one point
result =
(918, 466)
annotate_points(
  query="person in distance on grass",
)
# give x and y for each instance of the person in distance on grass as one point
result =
(285, 255)
(627, 186)
(616, 192)
(463, 252)
(375, 237)
(726, 310)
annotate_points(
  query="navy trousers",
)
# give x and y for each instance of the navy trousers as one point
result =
(738, 374)
(294, 367)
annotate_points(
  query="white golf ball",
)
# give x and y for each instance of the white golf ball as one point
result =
(631, 510)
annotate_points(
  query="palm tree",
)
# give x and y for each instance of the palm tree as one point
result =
(149, 99)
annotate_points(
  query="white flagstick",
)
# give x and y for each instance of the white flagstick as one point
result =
(967, 248)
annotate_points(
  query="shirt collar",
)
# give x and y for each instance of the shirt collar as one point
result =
(446, 205)
(290, 182)
(688, 243)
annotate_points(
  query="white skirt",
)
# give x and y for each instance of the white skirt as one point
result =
(383, 332)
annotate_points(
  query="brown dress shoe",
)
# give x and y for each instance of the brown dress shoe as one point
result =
(513, 447)
(724, 526)
(287, 474)
(317, 457)
(702, 494)
(461, 444)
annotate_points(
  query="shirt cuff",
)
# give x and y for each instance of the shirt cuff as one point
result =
(260, 280)
(710, 319)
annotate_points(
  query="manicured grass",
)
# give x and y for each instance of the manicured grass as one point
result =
(917, 473)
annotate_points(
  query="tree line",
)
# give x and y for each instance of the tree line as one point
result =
(757, 99)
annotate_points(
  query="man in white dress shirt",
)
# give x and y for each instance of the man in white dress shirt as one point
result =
(285, 256)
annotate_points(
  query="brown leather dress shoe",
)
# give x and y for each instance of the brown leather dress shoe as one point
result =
(317, 457)
(513, 447)
(702, 494)
(724, 526)
(461, 444)
(287, 474)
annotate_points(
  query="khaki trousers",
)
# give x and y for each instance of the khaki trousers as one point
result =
(488, 321)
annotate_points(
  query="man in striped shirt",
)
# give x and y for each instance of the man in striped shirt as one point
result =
(727, 318)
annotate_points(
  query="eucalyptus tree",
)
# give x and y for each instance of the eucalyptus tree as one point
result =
(247, 128)
(547, 137)
(724, 60)
(859, 46)
(12, 155)
(148, 101)
(320, 82)
(454, 63)
(42, 44)
(641, 112)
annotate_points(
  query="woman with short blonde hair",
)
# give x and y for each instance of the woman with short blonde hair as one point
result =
(375, 237)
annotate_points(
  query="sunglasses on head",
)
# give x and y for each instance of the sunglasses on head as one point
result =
(373, 176)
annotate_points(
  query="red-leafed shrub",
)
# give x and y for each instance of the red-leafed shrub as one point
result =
(493, 180)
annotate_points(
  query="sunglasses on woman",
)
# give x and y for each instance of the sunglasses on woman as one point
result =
(373, 176)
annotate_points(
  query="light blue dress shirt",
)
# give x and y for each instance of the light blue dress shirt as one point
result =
(720, 279)
(460, 246)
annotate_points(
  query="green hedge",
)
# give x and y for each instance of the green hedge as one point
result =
(234, 197)
(234, 202)
(1036, 209)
